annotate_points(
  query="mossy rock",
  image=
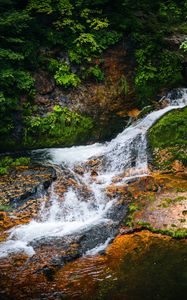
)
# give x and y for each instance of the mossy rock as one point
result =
(168, 139)
(61, 127)
(171, 130)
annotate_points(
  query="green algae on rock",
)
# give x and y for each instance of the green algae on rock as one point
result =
(159, 203)
(168, 140)
(170, 130)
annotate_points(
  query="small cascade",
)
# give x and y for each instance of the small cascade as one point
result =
(85, 202)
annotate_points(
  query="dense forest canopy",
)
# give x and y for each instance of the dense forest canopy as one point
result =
(65, 37)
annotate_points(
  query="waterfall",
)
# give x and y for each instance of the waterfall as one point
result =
(123, 158)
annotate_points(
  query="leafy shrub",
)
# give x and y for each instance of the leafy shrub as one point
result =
(183, 46)
(34, 32)
(59, 127)
(93, 72)
(3, 170)
(21, 161)
(8, 162)
(64, 76)
(154, 72)
(170, 11)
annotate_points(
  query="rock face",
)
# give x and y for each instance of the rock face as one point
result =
(44, 84)
(23, 182)
(160, 203)
(94, 98)
(56, 271)
(168, 142)
(21, 194)
(175, 40)
(107, 102)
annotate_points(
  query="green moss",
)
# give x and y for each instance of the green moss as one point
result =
(169, 130)
(133, 208)
(168, 201)
(60, 127)
(168, 139)
(5, 208)
(177, 233)
(130, 219)
(148, 197)
(8, 162)
(3, 170)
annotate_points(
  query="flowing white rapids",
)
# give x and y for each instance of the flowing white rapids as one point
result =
(125, 155)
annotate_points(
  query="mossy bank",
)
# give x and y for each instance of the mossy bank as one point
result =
(61, 127)
(168, 140)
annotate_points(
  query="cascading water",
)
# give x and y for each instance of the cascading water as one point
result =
(124, 157)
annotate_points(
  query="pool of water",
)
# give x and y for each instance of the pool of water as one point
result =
(140, 266)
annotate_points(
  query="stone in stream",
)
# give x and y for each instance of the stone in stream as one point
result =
(24, 182)
(21, 194)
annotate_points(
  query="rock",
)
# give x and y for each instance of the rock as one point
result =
(71, 181)
(44, 84)
(93, 162)
(79, 170)
(94, 173)
(133, 113)
(145, 111)
(23, 183)
(175, 39)
(41, 100)
(164, 102)
(2, 216)
(177, 166)
(114, 191)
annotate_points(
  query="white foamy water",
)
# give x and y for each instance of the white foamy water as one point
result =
(98, 249)
(126, 155)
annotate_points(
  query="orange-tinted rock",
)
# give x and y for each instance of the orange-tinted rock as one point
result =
(94, 173)
(133, 113)
(177, 166)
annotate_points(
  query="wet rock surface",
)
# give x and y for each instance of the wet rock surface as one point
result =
(25, 208)
(21, 194)
(159, 203)
(23, 182)
(140, 255)
(91, 97)
(106, 102)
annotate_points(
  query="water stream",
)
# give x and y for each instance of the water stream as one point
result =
(122, 159)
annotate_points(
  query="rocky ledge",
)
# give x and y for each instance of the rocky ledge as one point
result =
(158, 203)
(21, 192)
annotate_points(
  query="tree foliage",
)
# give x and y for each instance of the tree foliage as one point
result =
(64, 37)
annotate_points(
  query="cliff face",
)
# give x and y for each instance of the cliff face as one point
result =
(107, 102)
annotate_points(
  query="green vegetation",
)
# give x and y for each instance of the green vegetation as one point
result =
(67, 38)
(168, 139)
(170, 130)
(8, 162)
(5, 207)
(59, 127)
(158, 65)
(177, 233)
(168, 201)
(183, 46)
(130, 219)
